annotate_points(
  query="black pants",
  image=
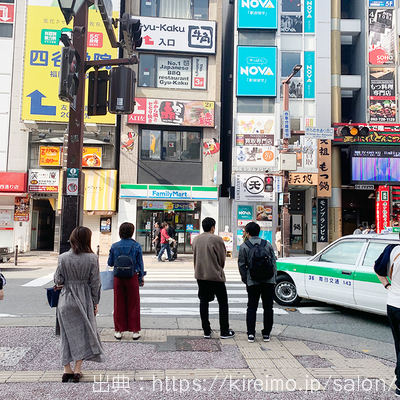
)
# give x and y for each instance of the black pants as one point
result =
(207, 291)
(266, 291)
(394, 319)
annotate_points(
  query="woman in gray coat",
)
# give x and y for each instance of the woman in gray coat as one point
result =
(78, 272)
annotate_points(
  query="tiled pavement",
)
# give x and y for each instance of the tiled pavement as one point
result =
(278, 364)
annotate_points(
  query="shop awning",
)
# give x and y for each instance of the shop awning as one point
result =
(100, 190)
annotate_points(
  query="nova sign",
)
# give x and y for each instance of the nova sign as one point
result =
(257, 70)
(257, 14)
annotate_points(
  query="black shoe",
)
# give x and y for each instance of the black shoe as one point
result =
(266, 338)
(397, 392)
(228, 335)
(66, 377)
(208, 336)
(250, 338)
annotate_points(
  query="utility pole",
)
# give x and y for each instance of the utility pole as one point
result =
(73, 73)
(285, 217)
(72, 205)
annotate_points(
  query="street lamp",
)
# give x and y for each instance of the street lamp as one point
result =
(285, 217)
(70, 8)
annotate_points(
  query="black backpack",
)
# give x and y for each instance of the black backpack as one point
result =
(261, 266)
(124, 267)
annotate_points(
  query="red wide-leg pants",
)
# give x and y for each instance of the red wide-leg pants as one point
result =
(126, 304)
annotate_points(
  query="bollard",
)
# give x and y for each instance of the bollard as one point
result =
(16, 255)
(98, 250)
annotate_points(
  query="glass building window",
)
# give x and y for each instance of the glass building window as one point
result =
(147, 70)
(256, 38)
(256, 105)
(6, 30)
(171, 145)
(185, 9)
(291, 5)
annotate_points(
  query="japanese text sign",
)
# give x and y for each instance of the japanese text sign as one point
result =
(21, 209)
(256, 74)
(43, 180)
(382, 208)
(322, 220)
(178, 35)
(6, 13)
(319, 133)
(42, 60)
(324, 188)
(13, 182)
(301, 179)
(286, 124)
(257, 14)
(175, 112)
(49, 155)
(250, 188)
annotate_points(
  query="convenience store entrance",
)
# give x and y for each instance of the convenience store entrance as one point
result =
(183, 217)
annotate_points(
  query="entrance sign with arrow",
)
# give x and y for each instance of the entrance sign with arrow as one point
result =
(6, 13)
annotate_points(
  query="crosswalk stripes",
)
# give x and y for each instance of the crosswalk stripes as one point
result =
(181, 299)
(169, 275)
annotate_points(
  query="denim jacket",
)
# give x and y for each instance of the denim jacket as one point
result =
(136, 254)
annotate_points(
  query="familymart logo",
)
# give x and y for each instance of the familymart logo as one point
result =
(257, 3)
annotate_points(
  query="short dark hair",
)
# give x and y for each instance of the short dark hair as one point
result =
(126, 230)
(253, 229)
(80, 240)
(207, 224)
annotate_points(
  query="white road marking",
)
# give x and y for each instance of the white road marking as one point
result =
(7, 316)
(184, 300)
(317, 310)
(169, 291)
(195, 311)
(40, 281)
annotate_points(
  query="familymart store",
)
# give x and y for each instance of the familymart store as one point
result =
(183, 207)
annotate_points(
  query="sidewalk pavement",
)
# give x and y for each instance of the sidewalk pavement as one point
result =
(180, 363)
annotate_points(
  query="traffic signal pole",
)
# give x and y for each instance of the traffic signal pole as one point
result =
(72, 205)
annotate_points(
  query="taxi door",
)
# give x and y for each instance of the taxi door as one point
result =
(369, 292)
(330, 276)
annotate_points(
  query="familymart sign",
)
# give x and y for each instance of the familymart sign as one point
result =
(169, 192)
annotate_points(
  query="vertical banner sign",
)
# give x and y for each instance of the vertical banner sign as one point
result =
(256, 71)
(322, 220)
(382, 218)
(21, 209)
(324, 168)
(286, 125)
(382, 94)
(72, 181)
(309, 20)
(257, 14)
(382, 43)
(309, 71)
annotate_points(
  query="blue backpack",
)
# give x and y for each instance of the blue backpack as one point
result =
(381, 264)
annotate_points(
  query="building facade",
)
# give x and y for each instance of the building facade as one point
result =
(270, 38)
(170, 145)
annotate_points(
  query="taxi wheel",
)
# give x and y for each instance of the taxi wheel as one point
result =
(286, 291)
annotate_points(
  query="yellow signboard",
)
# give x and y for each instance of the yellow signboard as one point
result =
(44, 26)
(49, 155)
(91, 157)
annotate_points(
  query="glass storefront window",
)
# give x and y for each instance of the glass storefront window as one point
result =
(190, 146)
(186, 9)
(150, 144)
(171, 145)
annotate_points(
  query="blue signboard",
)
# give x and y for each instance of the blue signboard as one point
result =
(256, 72)
(381, 3)
(257, 14)
(309, 20)
(309, 74)
(286, 125)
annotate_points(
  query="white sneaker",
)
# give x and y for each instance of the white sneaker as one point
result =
(118, 335)
(136, 335)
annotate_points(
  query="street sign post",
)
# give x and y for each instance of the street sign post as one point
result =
(319, 133)
(286, 125)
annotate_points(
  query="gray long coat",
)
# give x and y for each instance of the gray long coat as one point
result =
(80, 275)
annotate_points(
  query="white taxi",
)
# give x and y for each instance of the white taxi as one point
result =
(342, 274)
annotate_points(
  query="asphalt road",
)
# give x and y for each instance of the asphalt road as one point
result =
(163, 297)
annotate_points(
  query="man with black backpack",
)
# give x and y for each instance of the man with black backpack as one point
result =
(257, 267)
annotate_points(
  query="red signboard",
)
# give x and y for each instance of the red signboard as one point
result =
(382, 208)
(14, 182)
(173, 112)
(6, 13)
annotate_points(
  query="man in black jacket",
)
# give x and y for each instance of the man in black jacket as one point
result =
(255, 289)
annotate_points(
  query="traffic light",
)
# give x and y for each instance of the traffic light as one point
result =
(121, 97)
(353, 130)
(268, 184)
(132, 31)
(69, 80)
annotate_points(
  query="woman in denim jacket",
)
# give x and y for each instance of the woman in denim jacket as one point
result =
(126, 290)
